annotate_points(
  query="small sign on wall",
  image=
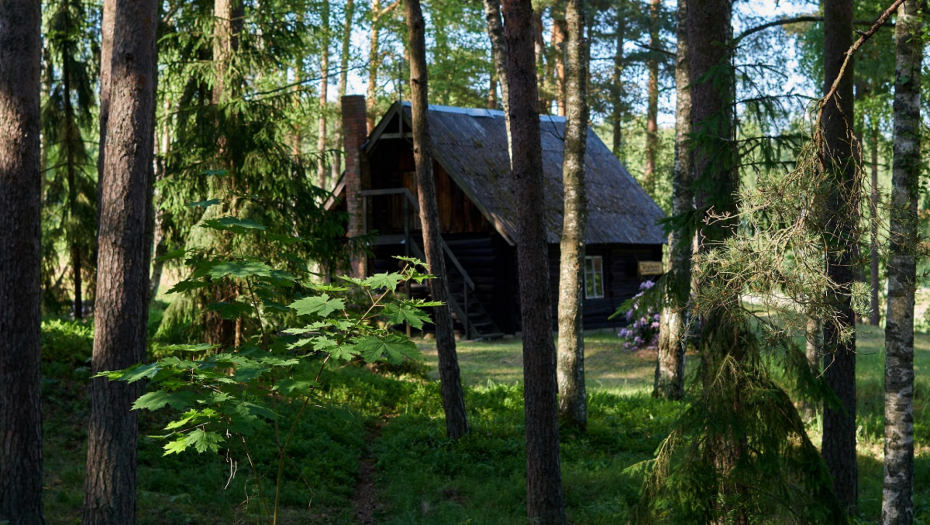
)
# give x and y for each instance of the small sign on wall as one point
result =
(650, 268)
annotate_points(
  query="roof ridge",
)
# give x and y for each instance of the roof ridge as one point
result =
(480, 112)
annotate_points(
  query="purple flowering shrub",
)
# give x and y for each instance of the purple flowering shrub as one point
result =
(643, 328)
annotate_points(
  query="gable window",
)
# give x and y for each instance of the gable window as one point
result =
(594, 277)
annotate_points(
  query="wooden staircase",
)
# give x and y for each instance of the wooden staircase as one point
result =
(471, 319)
(469, 315)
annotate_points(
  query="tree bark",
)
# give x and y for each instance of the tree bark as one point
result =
(715, 172)
(670, 365)
(161, 226)
(572, 394)
(72, 141)
(839, 423)
(559, 35)
(344, 52)
(229, 20)
(874, 314)
(324, 88)
(106, 51)
(122, 289)
(539, 48)
(544, 504)
(616, 91)
(492, 14)
(453, 399)
(20, 260)
(374, 62)
(898, 487)
(652, 103)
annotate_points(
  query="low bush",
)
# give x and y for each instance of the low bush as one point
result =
(67, 342)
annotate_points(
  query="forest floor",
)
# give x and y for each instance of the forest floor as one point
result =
(377, 452)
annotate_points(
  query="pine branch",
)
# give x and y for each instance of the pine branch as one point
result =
(852, 51)
(797, 20)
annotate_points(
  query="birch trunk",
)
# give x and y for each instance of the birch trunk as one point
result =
(898, 487)
(544, 504)
(20, 260)
(122, 288)
(453, 399)
(839, 424)
(670, 365)
(492, 14)
(572, 395)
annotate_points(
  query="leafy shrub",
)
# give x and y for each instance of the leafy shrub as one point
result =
(66, 341)
(643, 328)
(227, 397)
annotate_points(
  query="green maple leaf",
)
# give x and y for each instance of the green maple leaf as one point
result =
(321, 305)
(187, 285)
(393, 348)
(383, 280)
(232, 224)
(240, 270)
(402, 313)
(172, 255)
(290, 386)
(179, 400)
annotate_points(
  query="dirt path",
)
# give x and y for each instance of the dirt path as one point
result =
(368, 507)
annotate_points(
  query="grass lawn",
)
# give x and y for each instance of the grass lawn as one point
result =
(384, 431)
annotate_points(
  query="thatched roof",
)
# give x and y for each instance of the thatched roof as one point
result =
(471, 145)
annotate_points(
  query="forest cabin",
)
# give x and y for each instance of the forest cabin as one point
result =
(478, 213)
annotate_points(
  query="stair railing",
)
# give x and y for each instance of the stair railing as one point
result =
(410, 245)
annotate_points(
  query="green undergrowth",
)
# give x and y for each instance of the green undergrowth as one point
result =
(428, 479)
(394, 414)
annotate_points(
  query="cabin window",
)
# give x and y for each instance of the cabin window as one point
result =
(594, 277)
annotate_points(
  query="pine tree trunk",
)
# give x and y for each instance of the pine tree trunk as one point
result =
(539, 47)
(715, 162)
(228, 19)
(839, 423)
(898, 488)
(122, 289)
(616, 91)
(572, 394)
(344, 53)
(559, 35)
(106, 51)
(544, 504)
(874, 314)
(492, 14)
(812, 353)
(324, 88)
(453, 399)
(20, 260)
(72, 142)
(652, 102)
(670, 366)
(160, 231)
(374, 62)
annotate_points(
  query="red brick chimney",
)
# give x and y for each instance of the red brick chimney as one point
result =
(354, 131)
